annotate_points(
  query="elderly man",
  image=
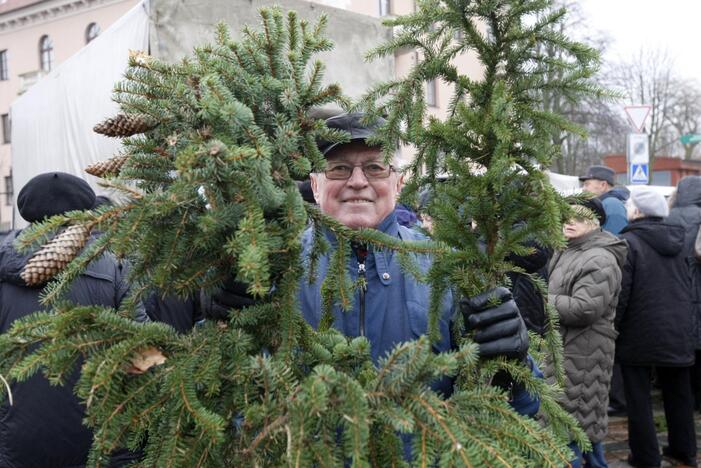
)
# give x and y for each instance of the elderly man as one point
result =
(599, 180)
(360, 190)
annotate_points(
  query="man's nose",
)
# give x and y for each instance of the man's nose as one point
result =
(357, 178)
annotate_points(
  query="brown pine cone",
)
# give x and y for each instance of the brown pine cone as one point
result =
(109, 167)
(124, 125)
(54, 256)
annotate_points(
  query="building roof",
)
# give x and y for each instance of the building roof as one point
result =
(7, 6)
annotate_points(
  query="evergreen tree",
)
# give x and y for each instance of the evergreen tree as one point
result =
(211, 150)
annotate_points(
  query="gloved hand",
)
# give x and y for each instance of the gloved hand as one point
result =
(499, 329)
(232, 295)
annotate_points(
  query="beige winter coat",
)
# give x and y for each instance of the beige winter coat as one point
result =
(585, 280)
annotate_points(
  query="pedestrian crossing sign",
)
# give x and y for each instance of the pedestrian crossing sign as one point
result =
(639, 173)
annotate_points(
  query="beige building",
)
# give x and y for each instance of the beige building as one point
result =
(38, 35)
(35, 37)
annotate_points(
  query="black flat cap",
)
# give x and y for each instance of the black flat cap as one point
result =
(599, 173)
(53, 193)
(351, 123)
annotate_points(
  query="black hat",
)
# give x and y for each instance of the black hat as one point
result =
(600, 173)
(53, 193)
(305, 189)
(351, 123)
(596, 207)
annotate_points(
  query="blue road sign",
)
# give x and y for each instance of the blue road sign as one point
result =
(639, 173)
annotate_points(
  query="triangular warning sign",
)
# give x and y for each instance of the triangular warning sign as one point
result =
(638, 115)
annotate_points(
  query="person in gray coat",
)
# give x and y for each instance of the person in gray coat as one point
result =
(44, 426)
(584, 283)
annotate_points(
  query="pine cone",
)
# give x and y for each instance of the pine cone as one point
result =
(54, 256)
(124, 125)
(111, 166)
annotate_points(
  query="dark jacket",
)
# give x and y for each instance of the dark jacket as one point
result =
(653, 317)
(181, 314)
(687, 212)
(44, 426)
(528, 298)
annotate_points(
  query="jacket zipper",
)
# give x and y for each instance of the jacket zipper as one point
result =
(361, 276)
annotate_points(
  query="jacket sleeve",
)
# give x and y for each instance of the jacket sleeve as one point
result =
(597, 284)
(523, 402)
(616, 216)
(626, 284)
(123, 289)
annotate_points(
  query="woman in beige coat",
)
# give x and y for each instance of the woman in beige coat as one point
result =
(585, 280)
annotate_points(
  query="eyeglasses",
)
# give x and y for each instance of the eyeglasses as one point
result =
(372, 170)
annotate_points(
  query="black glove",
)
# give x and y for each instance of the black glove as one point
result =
(232, 295)
(499, 329)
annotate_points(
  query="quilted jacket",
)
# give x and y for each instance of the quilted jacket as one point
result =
(585, 281)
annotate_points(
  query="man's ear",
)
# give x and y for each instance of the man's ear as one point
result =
(400, 184)
(315, 186)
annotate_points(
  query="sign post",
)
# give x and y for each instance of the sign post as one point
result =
(638, 155)
(637, 148)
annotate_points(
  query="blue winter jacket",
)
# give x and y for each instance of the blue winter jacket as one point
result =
(616, 216)
(395, 304)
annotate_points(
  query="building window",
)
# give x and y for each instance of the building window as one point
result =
(384, 7)
(432, 93)
(8, 190)
(91, 32)
(4, 72)
(662, 178)
(46, 53)
(5, 128)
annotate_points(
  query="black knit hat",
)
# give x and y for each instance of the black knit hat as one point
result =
(596, 207)
(53, 193)
(353, 124)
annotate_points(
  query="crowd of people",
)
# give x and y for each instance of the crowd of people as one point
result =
(626, 289)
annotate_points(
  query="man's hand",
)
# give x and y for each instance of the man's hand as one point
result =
(497, 323)
(232, 295)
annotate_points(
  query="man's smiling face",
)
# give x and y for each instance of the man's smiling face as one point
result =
(356, 202)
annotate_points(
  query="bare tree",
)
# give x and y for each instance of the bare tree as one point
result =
(648, 79)
(604, 127)
(684, 113)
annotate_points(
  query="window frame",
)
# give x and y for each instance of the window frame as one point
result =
(4, 69)
(6, 128)
(385, 7)
(46, 53)
(91, 32)
(9, 189)
(432, 93)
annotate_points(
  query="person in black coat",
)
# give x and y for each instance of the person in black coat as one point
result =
(686, 210)
(44, 426)
(528, 298)
(653, 319)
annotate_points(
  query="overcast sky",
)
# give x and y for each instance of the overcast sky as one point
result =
(674, 25)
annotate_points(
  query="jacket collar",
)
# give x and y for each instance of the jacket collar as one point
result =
(581, 240)
(381, 257)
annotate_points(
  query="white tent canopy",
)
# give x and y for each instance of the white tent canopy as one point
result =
(52, 121)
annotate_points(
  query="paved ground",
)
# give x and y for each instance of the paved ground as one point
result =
(616, 443)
